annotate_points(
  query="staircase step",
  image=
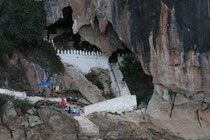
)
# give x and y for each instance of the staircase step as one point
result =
(119, 77)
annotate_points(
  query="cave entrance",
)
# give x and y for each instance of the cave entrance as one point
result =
(113, 58)
(139, 83)
(64, 38)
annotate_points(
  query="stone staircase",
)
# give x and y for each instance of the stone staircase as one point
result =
(118, 78)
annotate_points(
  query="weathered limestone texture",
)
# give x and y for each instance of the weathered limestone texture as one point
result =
(170, 39)
(43, 122)
(74, 78)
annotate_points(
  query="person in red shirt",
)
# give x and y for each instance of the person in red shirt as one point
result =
(52, 93)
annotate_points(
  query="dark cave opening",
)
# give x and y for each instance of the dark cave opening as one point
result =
(139, 83)
(65, 23)
(62, 34)
(113, 57)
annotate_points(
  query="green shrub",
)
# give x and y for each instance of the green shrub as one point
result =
(94, 79)
(138, 82)
(24, 105)
(24, 27)
(5, 50)
(25, 23)
(54, 60)
(131, 70)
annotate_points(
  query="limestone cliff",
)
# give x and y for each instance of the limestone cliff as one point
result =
(40, 122)
(170, 39)
(25, 72)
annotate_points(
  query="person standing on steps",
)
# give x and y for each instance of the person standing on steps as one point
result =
(52, 93)
(69, 110)
(80, 111)
(123, 83)
(44, 92)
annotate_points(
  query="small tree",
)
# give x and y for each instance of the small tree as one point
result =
(131, 70)
(25, 22)
(139, 83)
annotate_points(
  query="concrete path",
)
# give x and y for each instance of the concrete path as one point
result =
(23, 96)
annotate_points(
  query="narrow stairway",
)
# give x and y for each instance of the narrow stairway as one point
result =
(118, 77)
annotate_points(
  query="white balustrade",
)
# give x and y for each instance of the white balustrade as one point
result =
(80, 52)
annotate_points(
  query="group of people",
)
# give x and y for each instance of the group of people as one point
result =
(43, 93)
(73, 110)
(53, 92)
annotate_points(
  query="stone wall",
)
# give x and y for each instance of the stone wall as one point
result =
(23, 96)
(84, 60)
(171, 40)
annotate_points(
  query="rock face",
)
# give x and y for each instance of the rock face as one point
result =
(171, 40)
(104, 78)
(26, 73)
(79, 81)
(46, 123)
(133, 124)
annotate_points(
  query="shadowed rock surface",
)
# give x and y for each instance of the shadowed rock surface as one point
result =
(171, 40)
(45, 122)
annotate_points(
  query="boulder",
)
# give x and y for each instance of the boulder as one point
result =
(10, 117)
(34, 121)
(57, 124)
(183, 116)
(18, 134)
(30, 111)
(74, 78)
(104, 77)
(4, 133)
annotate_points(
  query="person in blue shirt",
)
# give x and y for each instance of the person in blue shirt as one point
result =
(74, 111)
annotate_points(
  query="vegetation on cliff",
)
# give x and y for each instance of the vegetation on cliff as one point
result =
(138, 82)
(22, 24)
(94, 79)
(23, 105)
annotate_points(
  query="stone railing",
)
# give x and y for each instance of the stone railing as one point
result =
(80, 52)
(23, 96)
(84, 60)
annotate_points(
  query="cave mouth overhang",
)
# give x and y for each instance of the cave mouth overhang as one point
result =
(64, 38)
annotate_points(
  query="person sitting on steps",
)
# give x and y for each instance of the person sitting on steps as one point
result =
(74, 111)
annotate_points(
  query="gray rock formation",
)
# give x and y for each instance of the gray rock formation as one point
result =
(47, 122)
(10, 117)
(74, 78)
(104, 77)
(171, 40)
